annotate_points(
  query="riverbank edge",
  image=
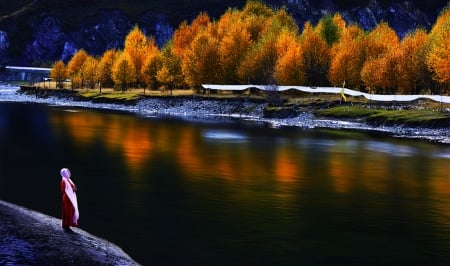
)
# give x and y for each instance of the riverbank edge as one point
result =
(375, 114)
(32, 238)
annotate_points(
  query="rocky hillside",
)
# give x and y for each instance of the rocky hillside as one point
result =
(38, 32)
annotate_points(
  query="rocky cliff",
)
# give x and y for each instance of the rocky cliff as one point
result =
(38, 32)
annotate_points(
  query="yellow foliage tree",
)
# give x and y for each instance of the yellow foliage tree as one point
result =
(438, 57)
(136, 45)
(123, 71)
(88, 72)
(316, 56)
(347, 58)
(200, 62)
(104, 68)
(381, 40)
(164, 76)
(152, 63)
(233, 46)
(59, 73)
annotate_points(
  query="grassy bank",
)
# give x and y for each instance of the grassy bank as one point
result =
(414, 117)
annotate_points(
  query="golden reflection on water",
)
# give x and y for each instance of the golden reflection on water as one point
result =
(137, 142)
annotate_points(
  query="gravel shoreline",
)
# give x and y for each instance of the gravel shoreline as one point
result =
(32, 238)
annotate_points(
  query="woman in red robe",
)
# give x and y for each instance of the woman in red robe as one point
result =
(70, 212)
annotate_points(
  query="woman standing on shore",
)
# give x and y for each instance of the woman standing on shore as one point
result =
(70, 212)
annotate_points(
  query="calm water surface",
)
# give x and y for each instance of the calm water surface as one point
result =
(171, 192)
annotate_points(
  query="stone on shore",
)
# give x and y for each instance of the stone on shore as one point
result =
(31, 238)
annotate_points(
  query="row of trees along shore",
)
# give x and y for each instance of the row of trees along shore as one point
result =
(260, 45)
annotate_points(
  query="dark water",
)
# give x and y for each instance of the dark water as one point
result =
(171, 192)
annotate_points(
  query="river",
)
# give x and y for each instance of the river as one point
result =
(232, 192)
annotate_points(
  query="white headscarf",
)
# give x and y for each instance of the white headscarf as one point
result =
(65, 174)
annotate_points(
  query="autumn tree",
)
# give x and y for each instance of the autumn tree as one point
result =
(152, 63)
(75, 65)
(258, 65)
(233, 45)
(104, 69)
(382, 56)
(136, 45)
(123, 71)
(88, 72)
(289, 68)
(316, 57)
(414, 69)
(381, 40)
(200, 63)
(59, 73)
(174, 77)
(185, 34)
(347, 58)
(438, 57)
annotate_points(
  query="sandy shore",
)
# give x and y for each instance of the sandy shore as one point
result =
(31, 238)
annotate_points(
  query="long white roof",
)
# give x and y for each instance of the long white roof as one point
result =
(336, 90)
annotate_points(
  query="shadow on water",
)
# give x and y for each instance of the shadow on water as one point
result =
(176, 192)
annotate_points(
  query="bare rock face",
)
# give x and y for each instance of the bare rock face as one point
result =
(47, 43)
(4, 45)
(402, 16)
(41, 36)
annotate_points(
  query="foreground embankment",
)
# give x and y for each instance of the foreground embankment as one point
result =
(32, 238)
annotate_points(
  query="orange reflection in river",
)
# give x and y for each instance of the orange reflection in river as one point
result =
(138, 141)
(86, 128)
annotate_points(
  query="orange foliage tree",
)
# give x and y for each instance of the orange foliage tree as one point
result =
(59, 73)
(316, 57)
(200, 62)
(289, 68)
(233, 45)
(347, 58)
(438, 57)
(413, 67)
(382, 56)
(185, 34)
(152, 63)
(261, 45)
(75, 65)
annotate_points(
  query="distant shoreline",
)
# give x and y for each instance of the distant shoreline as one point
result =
(420, 119)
